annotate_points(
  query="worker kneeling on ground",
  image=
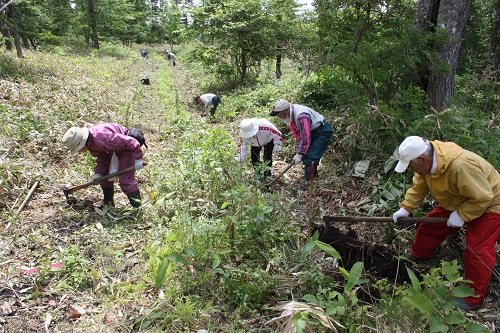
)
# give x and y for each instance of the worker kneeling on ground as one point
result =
(116, 148)
(467, 189)
(259, 133)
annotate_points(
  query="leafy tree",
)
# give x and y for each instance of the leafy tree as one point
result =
(373, 41)
(238, 35)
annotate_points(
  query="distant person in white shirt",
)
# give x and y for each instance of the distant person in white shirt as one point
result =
(259, 133)
(171, 57)
(210, 101)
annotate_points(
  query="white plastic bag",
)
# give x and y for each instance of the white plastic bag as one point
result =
(113, 166)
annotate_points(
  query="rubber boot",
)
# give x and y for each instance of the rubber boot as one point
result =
(134, 198)
(307, 174)
(109, 193)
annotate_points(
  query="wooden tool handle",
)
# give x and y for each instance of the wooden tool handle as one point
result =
(98, 180)
(382, 219)
(272, 182)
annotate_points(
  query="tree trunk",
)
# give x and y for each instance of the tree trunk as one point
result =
(243, 64)
(93, 25)
(495, 37)
(15, 32)
(19, 18)
(451, 17)
(278, 65)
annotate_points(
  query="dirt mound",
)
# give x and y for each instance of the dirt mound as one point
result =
(380, 261)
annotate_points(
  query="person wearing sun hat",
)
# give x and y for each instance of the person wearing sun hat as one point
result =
(467, 190)
(259, 133)
(310, 128)
(108, 142)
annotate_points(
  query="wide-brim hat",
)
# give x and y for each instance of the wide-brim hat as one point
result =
(75, 138)
(411, 148)
(248, 128)
(279, 106)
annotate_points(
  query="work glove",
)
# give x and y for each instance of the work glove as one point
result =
(239, 159)
(297, 158)
(400, 213)
(138, 164)
(455, 220)
(276, 150)
(95, 176)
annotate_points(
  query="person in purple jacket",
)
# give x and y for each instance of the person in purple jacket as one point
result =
(103, 141)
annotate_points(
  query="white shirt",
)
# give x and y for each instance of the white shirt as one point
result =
(267, 132)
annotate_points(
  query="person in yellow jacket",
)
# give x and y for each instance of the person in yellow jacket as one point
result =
(467, 189)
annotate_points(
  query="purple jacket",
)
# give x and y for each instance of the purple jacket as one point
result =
(106, 138)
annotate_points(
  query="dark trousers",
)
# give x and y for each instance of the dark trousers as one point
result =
(215, 102)
(320, 139)
(268, 156)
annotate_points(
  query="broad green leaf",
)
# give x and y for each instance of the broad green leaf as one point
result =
(451, 271)
(307, 248)
(354, 276)
(160, 274)
(473, 327)
(328, 249)
(414, 281)
(309, 298)
(177, 258)
(462, 291)
(421, 302)
(436, 324)
(455, 318)
(224, 205)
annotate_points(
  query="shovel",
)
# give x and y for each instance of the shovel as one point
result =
(68, 191)
(328, 219)
(272, 182)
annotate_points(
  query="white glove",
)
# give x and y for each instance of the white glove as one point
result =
(276, 150)
(400, 213)
(138, 164)
(95, 176)
(455, 220)
(297, 158)
(239, 159)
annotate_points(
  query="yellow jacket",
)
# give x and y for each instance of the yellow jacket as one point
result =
(464, 181)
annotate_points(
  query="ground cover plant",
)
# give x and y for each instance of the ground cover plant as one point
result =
(211, 249)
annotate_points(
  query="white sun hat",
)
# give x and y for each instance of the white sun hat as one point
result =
(75, 138)
(248, 128)
(411, 148)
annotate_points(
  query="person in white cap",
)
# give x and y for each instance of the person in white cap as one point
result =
(259, 133)
(103, 141)
(310, 128)
(467, 189)
(171, 57)
(209, 101)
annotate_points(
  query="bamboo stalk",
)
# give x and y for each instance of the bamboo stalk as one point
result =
(309, 213)
(25, 201)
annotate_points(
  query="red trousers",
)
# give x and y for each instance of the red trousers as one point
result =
(481, 238)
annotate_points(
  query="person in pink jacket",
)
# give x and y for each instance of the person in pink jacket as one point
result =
(259, 133)
(467, 189)
(103, 141)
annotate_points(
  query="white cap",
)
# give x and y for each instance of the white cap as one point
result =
(248, 128)
(279, 106)
(75, 138)
(411, 148)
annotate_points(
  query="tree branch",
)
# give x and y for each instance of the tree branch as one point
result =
(5, 6)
